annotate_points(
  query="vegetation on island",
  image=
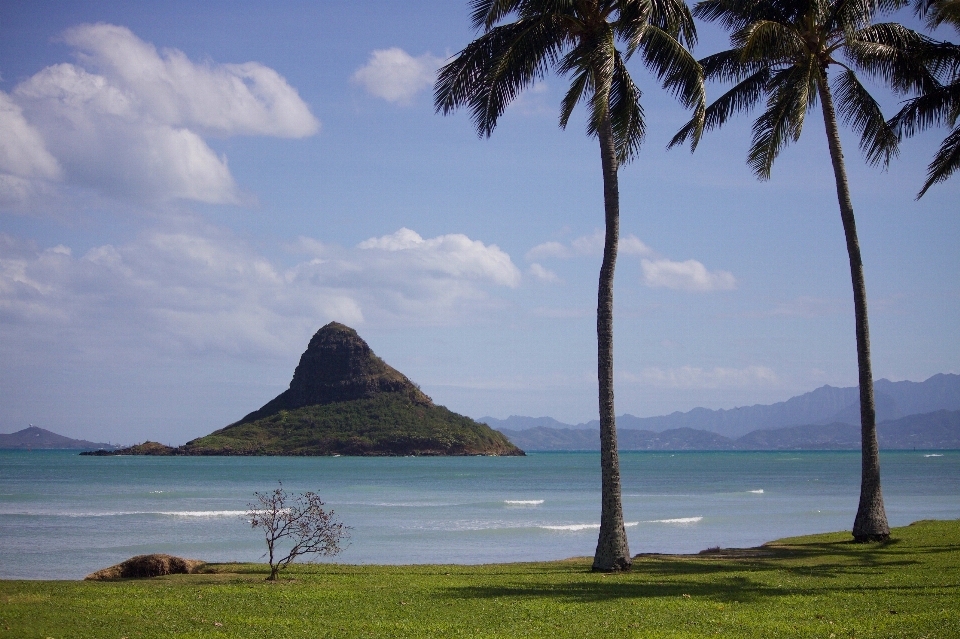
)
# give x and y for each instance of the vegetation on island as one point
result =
(816, 586)
(388, 424)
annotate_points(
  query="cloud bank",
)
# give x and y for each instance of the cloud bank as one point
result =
(201, 289)
(130, 121)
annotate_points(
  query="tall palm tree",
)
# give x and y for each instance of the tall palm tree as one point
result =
(782, 50)
(939, 102)
(578, 38)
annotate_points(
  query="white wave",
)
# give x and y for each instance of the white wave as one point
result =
(678, 520)
(933, 455)
(576, 527)
(203, 513)
(756, 492)
(171, 513)
(523, 502)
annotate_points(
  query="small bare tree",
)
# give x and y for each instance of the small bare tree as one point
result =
(297, 519)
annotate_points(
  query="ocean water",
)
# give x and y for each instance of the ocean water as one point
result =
(63, 516)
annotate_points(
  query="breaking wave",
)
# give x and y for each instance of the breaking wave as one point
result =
(130, 513)
(576, 527)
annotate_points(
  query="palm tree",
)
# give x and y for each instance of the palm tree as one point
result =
(578, 38)
(939, 102)
(782, 50)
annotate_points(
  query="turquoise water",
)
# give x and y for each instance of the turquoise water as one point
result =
(63, 516)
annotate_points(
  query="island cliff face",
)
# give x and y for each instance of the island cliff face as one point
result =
(344, 400)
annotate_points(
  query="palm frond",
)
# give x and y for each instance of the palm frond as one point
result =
(492, 70)
(904, 59)
(740, 99)
(579, 84)
(626, 113)
(945, 162)
(734, 15)
(848, 16)
(729, 66)
(782, 122)
(484, 14)
(672, 16)
(601, 60)
(860, 111)
(939, 12)
(770, 41)
(934, 108)
(674, 66)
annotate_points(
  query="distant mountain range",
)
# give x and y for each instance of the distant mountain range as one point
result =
(936, 430)
(825, 405)
(34, 438)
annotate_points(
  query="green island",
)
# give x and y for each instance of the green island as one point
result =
(815, 586)
(343, 400)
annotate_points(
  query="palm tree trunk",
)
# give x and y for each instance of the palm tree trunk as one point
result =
(612, 554)
(871, 521)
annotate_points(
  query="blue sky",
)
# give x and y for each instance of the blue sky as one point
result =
(189, 190)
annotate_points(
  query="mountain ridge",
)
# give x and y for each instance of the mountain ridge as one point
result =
(36, 438)
(938, 430)
(824, 405)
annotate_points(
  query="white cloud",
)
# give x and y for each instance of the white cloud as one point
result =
(201, 289)
(589, 244)
(693, 377)
(689, 275)
(227, 99)
(396, 76)
(543, 274)
(22, 152)
(130, 121)
(549, 250)
(586, 245)
(446, 256)
(631, 245)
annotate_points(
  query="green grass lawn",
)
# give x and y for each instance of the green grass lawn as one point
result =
(817, 586)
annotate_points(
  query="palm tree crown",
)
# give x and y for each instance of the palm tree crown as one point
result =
(782, 51)
(578, 39)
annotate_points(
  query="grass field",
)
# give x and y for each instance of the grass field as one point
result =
(817, 586)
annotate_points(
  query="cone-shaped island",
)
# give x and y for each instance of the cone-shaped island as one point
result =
(344, 400)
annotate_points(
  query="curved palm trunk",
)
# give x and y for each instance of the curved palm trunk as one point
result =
(871, 521)
(612, 551)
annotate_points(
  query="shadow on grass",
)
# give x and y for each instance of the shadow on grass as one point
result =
(727, 589)
(740, 575)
